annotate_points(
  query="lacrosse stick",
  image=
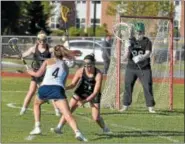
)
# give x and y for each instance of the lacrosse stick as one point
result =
(12, 43)
(123, 32)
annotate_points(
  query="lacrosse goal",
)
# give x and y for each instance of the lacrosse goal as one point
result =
(159, 28)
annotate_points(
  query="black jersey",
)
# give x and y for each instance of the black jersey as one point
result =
(39, 57)
(86, 85)
(139, 47)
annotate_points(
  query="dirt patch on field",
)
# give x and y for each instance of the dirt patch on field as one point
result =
(24, 75)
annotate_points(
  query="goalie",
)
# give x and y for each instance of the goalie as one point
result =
(138, 55)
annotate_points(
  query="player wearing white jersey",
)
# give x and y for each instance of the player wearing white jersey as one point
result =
(52, 88)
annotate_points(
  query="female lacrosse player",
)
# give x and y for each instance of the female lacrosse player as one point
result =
(52, 88)
(40, 52)
(89, 80)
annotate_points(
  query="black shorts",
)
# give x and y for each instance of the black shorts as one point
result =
(83, 96)
(38, 80)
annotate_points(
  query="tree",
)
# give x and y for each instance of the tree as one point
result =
(36, 18)
(9, 17)
(139, 8)
(142, 8)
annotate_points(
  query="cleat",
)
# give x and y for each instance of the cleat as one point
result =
(151, 110)
(125, 108)
(56, 130)
(106, 130)
(35, 131)
(80, 137)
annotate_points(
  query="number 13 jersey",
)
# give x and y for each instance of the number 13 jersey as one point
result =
(56, 73)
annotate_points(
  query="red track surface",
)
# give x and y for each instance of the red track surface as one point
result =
(158, 80)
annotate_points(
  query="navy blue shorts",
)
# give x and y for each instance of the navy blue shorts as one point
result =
(51, 92)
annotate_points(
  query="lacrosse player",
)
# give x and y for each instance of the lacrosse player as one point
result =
(88, 80)
(40, 52)
(52, 88)
(138, 66)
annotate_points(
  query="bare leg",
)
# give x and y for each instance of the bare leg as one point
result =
(65, 110)
(30, 94)
(73, 105)
(57, 111)
(37, 115)
(97, 118)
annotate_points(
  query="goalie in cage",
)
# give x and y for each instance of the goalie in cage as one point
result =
(137, 53)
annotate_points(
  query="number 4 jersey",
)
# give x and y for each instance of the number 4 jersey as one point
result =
(138, 47)
(56, 73)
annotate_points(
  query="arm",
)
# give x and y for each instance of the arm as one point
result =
(28, 52)
(75, 79)
(40, 72)
(97, 87)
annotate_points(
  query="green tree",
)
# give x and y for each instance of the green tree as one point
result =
(36, 18)
(9, 17)
(139, 8)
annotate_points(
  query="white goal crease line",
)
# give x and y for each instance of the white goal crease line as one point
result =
(31, 137)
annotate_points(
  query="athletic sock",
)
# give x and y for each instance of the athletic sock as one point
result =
(37, 124)
(59, 126)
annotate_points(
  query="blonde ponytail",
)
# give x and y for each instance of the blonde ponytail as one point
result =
(60, 52)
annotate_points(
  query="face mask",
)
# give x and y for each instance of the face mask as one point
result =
(139, 36)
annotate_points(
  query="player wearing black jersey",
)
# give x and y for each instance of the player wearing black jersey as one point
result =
(88, 80)
(138, 56)
(40, 52)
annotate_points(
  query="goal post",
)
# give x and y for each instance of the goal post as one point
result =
(112, 95)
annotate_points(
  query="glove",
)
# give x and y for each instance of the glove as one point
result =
(137, 58)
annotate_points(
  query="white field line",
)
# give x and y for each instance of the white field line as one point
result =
(13, 105)
(8, 91)
(31, 137)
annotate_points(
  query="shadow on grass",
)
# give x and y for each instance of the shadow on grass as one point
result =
(148, 133)
(179, 112)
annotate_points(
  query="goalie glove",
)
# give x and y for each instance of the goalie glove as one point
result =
(141, 57)
(137, 58)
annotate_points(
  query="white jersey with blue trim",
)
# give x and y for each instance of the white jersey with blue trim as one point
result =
(56, 74)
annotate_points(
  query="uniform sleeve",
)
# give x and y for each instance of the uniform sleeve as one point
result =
(149, 45)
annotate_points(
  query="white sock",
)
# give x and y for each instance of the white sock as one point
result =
(37, 124)
(23, 109)
(77, 131)
(59, 126)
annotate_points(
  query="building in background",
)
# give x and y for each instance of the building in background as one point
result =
(82, 14)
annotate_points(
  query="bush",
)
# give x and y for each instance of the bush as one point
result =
(73, 31)
(57, 33)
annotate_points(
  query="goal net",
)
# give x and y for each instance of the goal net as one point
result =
(158, 27)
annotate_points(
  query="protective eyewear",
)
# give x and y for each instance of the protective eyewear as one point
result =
(42, 40)
(88, 65)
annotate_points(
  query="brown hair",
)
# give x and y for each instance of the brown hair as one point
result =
(60, 52)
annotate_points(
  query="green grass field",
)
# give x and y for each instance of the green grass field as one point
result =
(134, 126)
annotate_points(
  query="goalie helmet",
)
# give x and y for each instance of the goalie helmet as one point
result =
(139, 27)
(139, 30)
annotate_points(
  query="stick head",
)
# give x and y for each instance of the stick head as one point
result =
(123, 31)
(12, 43)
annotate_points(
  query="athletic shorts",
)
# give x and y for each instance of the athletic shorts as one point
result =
(83, 96)
(51, 92)
(38, 80)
